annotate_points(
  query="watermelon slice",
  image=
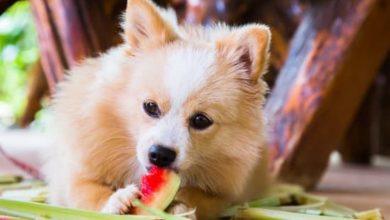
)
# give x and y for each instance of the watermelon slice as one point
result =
(158, 188)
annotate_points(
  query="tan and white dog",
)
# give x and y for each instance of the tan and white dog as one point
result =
(184, 97)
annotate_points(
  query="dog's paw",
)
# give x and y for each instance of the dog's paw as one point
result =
(179, 208)
(120, 202)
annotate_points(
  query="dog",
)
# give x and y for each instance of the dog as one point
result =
(188, 98)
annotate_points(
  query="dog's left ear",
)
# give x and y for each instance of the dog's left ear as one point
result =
(144, 25)
(247, 49)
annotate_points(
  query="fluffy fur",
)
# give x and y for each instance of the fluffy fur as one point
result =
(103, 134)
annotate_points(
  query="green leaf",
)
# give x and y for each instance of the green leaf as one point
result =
(157, 212)
(18, 49)
(31, 210)
(270, 214)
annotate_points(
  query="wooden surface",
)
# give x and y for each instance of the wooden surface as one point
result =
(358, 187)
(334, 57)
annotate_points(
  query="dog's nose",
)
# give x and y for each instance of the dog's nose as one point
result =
(161, 156)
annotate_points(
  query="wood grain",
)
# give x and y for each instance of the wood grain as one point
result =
(51, 52)
(70, 30)
(334, 57)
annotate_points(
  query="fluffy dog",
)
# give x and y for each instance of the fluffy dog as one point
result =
(182, 97)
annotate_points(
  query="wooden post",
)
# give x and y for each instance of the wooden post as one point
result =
(70, 30)
(357, 144)
(384, 115)
(368, 134)
(333, 59)
(52, 56)
(37, 89)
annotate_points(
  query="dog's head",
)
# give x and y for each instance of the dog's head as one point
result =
(195, 95)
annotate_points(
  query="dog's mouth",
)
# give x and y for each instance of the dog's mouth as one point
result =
(174, 168)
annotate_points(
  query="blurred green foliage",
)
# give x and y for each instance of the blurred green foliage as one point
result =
(18, 49)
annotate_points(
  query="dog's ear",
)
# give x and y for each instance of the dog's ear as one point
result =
(144, 26)
(247, 49)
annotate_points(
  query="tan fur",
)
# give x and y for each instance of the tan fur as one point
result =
(100, 121)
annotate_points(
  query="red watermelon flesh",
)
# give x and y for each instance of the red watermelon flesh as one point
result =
(158, 188)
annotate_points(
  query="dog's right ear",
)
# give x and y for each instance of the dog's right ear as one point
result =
(144, 27)
(247, 48)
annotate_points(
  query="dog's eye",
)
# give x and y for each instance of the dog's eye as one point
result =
(151, 108)
(200, 121)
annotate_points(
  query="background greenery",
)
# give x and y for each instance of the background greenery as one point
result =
(18, 49)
